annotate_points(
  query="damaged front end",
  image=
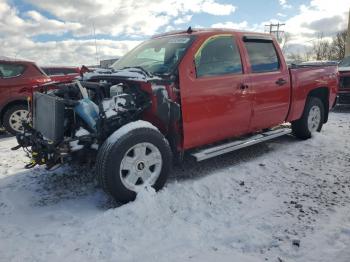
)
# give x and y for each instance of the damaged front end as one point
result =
(72, 121)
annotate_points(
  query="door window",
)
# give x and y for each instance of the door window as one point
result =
(218, 56)
(11, 70)
(262, 56)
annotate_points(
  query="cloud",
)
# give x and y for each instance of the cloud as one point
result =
(320, 16)
(214, 8)
(183, 20)
(67, 52)
(119, 17)
(327, 25)
(32, 24)
(137, 20)
(133, 19)
(284, 4)
(231, 25)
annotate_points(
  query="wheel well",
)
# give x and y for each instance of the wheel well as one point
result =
(5, 108)
(323, 94)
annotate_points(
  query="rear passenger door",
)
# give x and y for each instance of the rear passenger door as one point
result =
(269, 82)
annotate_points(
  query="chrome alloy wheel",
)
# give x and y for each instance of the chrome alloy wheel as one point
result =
(140, 166)
(16, 119)
(314, 119)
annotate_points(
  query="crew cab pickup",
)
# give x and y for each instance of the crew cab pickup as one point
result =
(205, 92)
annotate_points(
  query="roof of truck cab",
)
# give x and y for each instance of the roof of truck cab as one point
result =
(206, 31)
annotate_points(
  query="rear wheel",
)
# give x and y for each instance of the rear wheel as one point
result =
(311, 120)
(14, 117)
(137, 159)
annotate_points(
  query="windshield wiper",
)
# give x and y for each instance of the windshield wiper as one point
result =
(140, 68)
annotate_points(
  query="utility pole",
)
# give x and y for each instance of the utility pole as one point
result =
(347, 42)
(275, 29)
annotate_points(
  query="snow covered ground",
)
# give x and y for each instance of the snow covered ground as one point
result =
(286, 200)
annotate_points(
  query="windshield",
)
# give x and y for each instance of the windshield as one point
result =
(345, 62)
(157, 56)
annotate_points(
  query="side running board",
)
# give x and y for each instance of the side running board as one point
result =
(238, 144)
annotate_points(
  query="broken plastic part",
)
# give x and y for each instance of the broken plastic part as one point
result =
(83, 90)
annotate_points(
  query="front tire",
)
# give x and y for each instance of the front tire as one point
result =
(312, 119)
(13, 118)
(138, 158)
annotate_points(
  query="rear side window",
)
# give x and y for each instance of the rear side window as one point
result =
(218, 56)
(11, 70)
(262, 56)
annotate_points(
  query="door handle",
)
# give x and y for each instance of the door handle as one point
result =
(281, 82)
(243, 86)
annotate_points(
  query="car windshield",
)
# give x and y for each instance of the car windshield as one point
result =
(345, 62)
(158, 56)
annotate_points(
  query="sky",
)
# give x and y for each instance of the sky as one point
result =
(76, 32)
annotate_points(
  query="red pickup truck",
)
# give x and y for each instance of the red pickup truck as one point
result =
(205, 92)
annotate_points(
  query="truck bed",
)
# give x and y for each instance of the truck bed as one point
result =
(304, 78)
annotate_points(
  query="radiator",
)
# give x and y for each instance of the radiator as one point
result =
(48, 116)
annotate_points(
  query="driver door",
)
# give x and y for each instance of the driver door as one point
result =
(215, 103)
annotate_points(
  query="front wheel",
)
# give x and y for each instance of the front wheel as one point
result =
(312, 119)
(134, 157)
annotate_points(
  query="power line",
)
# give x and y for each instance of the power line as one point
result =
(275, 29)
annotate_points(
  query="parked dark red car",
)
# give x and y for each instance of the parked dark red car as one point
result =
(62, 74)
(18, 79)
(344, 85)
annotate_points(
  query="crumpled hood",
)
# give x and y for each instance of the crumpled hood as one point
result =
(127, 74)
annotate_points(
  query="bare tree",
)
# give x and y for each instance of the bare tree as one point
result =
(308, 54)
(284, 42)
(337, 49)
(295, 57)
(321, 48)
(330, 50)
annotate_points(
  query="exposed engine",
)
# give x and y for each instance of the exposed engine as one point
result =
(77, 116)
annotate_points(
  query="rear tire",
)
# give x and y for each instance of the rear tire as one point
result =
(136, 159)
(312, 119)
(13, 117)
